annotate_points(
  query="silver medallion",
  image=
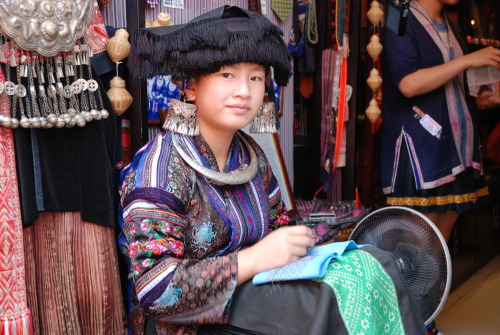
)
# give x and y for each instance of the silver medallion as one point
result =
(92, 85)
(46, 26)
(9, 88)
(76, 87)
(20, 91)
(84, 84)
(67, 91)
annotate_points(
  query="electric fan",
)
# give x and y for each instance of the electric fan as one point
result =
(420, 250)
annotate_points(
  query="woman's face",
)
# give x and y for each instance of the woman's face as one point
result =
(229, 99)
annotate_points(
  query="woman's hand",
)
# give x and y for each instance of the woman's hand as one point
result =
(280, 247)
(426, 80)
(489, 56)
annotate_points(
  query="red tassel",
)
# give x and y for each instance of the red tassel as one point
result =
(357, 203)
(340, 116)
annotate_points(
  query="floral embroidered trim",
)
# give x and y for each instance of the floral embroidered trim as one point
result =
(440, 200)
(281, 220)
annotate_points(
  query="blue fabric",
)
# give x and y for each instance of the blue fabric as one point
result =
(401, 56)
(312, 266)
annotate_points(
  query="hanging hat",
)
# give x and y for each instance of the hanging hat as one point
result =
(224, 36)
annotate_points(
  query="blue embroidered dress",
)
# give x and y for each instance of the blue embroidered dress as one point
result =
(180, 246)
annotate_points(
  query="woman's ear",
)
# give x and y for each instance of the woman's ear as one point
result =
(189, 90)
(189, 94)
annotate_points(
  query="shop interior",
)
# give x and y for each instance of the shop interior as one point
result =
(321, 156)
(476, 238)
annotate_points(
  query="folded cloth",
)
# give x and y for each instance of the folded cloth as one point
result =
(312, 266)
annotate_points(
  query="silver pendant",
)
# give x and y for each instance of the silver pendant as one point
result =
(20, 90)
(9, 88)
(92, 85)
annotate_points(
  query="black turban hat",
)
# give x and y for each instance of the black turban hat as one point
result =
(224, 36)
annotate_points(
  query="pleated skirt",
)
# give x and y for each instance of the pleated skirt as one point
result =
(467, 192)
(72, 277)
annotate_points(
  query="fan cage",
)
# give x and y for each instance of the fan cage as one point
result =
(419, 249)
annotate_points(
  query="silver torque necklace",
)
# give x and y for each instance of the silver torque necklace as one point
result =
(243, 174)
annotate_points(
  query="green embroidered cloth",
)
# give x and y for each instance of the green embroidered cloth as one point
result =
(365, 294)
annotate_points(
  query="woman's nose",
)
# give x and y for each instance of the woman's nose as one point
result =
(243, 88)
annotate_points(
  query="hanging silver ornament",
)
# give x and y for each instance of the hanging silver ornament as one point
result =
(60, 122)
(35, 122)
(94, 114)
(52, 118)
(15, 123)
(66, 118)
(25, 122)
(71, 123)
(9, 87)
(80, 121)
(104, 114)
(71, 111)
(43, 122)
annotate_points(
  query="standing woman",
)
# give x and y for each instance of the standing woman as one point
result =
(430, 152)
(201, 206)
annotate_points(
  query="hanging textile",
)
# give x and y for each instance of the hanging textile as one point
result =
(330, 177)
(282, 8)
(342, 110)
(95, 34)
(255, 5)
(15, 317)
(72, 276)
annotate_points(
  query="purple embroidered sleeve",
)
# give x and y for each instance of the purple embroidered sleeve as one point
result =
(167, 283)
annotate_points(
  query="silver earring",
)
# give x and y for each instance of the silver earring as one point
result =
(265, 121)
(182, 118)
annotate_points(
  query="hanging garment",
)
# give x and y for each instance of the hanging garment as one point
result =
(14, 313)
(281, 8)
(72, 277)
(255, 5)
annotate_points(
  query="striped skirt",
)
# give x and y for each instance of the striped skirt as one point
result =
(72, 277)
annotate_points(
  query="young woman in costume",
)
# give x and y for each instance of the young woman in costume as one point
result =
(201, 207)
(430, 151)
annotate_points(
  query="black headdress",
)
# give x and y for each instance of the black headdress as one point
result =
(224, 36)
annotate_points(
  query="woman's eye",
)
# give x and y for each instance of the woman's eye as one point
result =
(256, 78)
(227, 75)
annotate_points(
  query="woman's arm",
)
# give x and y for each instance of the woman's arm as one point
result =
(279, 248)
(282, 246)
(426, 80)
(167, 283)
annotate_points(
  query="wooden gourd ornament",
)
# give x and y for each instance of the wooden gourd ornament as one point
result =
(373, 111)
(119, 96)
(374, 48)
(374, 80)
(163, 19)
(375, 14)
(118, 48)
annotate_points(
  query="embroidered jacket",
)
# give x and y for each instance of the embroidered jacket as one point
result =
(181, 233)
